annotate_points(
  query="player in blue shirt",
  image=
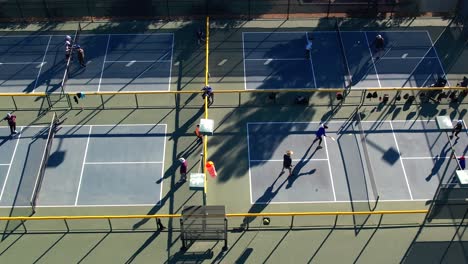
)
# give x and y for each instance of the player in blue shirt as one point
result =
(319, 134)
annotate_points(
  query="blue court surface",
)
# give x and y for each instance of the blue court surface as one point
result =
(115, 62)
(276, 60)
(99, 165)
(407, 159)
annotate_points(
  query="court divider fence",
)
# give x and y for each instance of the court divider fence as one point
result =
(234, 98)
(237, 221)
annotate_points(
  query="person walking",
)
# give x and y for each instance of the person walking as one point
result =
(287, 162)
(198, 134)
(308, 47)
(208, 91)
(379, 43)
(81, 55)
(183, 169)
(200, 36)
(457, 128)
(319, 134)
(11, 119)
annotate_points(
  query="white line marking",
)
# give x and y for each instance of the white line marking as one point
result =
(11, 162)
(103, 64)
(438, 58)
(417, 64)
(245, 83)
(296, 160)
(404, 56)
(39, 66)
(20, 63)
(420, 158)
(83, 165)
(401, 161)
(5, 164)
(83, 205)
(267, 62)
(372, 59)
(222, 62)
(311, 63)
(248, 156)
(42, 64)
(133, 61)
(162, 167)
(277, 59)
(130, 63)
(121, 162)
(176, 63)
(329, 168)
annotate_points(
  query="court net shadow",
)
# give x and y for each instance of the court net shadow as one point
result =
(22, 200)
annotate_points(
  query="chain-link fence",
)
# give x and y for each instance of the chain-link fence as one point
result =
(247, 9)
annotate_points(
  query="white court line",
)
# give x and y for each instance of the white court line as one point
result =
(170, 66)
(405, 58)
(11, 162)
(5, 164)
(372, 59)
(274, 59)
(419, 62)
(83, 165)
(103, 63)
(42, 64)
(347, 201)
(162, 167)
(82, 205)
(311, 63)
(401, 161)
(24, 36)
(438, 59)
(282, 32)
(318, 122)
(102, 125)
(20, 63)
(136, 205)
(245, 78)
(282, 160)
(248, 156)
(420, 158)
(121, 162)
(329, 168)
(138, 61)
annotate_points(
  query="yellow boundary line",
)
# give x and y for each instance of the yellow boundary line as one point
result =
(207, 74)
(24, 218)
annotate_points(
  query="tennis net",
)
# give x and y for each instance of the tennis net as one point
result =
(365, 151)
(45, 157)
(75, 41)
(348, 77)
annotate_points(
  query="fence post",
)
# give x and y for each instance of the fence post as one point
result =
(136, 101)
(110, 224)
(292, 222)
(66, 224)
(102, 101)
(287, 13)
(20, 9)
(14, 102)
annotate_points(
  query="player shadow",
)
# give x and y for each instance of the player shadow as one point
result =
(26, 194)
(296, 172)
(158, 206)
(263, 201)
(439, 161)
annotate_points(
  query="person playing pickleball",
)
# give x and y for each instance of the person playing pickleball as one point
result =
(320, 134)
(457, 128)
(287, 162)
(379, 44)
